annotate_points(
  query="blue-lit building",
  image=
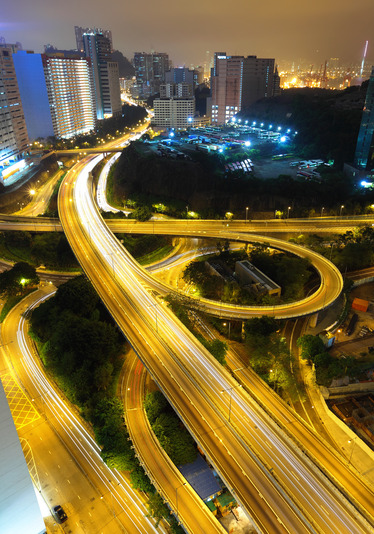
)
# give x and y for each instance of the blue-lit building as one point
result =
(33, 90)
(58, 94)
(365, 143)
(14, 140)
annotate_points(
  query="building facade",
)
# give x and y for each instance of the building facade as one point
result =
(33, 90)
(79, 32)
(105, 75)
(175, 113)
(70, 94)
(237, 82)
(365, 142)
(57, 90)
(150, 72)
(14, 140)
(19, 508)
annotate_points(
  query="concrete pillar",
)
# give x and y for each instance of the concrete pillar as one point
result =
(313, 320)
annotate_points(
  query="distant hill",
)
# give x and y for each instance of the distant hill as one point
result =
(126, 70)
(327, 121)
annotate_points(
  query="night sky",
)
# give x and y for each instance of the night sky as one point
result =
(285, 29)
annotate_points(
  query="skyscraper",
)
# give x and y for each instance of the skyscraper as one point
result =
(79, 32)
(105, 75)
(19, 509)
(237, 82)
(57, 91)
(150, 72)
(13, 133)
(365, 142)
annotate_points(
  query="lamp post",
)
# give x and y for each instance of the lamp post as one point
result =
(288, 212)
(230, 390)
(341, 208)
(225, 324)
(322, 210)
(111, 495)
(246, 214)
(353, 446)
(176, 499)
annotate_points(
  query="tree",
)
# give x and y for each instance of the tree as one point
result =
(310, 346)
(140, 481)
(217, 348)
(261, 326)
(155, 404)
(157, 509)
(78, 296)
(143, 213)
(19, 278)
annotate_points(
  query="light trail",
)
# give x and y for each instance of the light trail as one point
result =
(114, 482)
(207, 379)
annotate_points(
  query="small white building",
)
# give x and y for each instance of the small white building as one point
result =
(175, 113)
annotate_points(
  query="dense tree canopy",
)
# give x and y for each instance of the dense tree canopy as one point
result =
(173, 437)
(16, 280)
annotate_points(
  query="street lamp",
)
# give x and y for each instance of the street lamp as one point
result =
(246, 214)
(230, 390)
(341, 208)
(322, 210)
(354, 443)
(225, 324)
(111, 498)
(288, 212)
(176, 499)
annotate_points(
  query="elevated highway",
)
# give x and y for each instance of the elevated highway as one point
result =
(281, 490)
(328, 291)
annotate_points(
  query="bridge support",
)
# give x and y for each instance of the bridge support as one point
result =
(313, 320)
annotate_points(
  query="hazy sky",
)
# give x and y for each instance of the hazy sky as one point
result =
(284, 29)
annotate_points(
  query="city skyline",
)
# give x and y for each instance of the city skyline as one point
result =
(187, 32)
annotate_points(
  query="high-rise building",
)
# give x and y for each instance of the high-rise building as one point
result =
(150, 70)
(14, 140)
(176, 90)
(57, 91)
(79, 32)
(237, 82)
(180, 75)
(365, 142)
(19, 508)
(173, 112)
(105, 75)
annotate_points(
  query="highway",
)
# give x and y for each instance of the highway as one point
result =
(326, 294)
(69, 468)
(200, 390)
(165, 476)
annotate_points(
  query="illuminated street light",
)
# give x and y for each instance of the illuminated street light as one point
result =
(225, 324)
(246, 214)
(354, 443)
(322, 210)
(230, 390)
(341, 208)
(288, 212)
